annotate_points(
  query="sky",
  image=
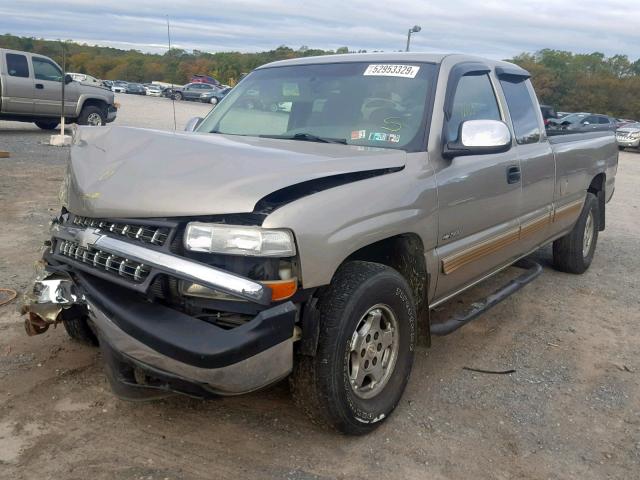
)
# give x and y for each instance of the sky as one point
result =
(492, 28)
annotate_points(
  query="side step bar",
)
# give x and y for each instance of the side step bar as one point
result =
(533, 269)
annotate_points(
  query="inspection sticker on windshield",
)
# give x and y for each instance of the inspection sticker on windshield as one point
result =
(386, 70)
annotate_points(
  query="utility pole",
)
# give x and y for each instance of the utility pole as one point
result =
(62, 139)
(414, 29)
(64, 74)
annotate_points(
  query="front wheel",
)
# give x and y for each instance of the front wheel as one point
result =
(77, 326)
(574, 252)
(177, 96)
(213, 101)
(365, 349)
(92, 116)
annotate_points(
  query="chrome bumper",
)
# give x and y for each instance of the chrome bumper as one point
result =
(179, 267)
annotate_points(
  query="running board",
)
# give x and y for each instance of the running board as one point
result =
(533, 269)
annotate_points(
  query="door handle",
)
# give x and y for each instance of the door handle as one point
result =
(513, 174)
(39, 86)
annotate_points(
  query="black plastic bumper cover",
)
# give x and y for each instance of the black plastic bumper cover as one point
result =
(188, 339)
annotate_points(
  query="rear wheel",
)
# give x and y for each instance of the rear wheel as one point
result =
(93, 116)
(365, 350)
(574, 252)
(47, 124)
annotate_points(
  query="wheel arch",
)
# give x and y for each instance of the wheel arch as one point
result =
(404, 253)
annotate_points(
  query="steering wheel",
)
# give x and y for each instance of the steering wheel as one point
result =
(376, 103)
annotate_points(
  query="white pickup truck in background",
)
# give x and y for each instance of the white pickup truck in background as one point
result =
(31, 91)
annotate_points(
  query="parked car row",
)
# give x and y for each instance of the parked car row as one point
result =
(199, 92)
(557, 123)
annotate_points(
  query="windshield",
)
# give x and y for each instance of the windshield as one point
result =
(380, 105)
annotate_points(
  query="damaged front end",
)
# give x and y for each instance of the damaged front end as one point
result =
(167, 320)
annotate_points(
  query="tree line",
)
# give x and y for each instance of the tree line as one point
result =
(567, 81)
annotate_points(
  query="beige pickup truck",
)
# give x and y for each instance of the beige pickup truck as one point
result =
(307, 226)
(31, 91)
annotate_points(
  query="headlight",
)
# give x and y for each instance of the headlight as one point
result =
(635, 135)
(239, 240)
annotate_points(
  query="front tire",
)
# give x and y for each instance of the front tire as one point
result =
(177, 96)
(47, 124)
(574, 252)
(92, 116)
(77, 326)
(365, 349)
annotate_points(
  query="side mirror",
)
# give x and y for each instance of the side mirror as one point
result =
(479, 137)
(192, 124)
(68, 79)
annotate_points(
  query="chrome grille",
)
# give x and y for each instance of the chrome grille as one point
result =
(102, 260)
(144, 233)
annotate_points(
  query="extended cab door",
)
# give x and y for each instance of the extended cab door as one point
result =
(48, 78)
(479, 196)
(537, 161)
(17, 88)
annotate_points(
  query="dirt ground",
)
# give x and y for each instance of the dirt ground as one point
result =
(570, 410)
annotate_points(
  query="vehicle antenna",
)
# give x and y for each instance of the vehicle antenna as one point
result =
(173, 99)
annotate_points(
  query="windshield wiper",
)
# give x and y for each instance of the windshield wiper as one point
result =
(308, 137)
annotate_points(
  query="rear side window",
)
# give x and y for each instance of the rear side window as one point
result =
(17, 65)
(522, 109)
(474, 100)
(603, 120)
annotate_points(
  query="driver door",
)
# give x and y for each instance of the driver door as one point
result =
(479, 196)
(48, 78)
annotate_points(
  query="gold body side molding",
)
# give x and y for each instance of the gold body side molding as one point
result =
(494, 244)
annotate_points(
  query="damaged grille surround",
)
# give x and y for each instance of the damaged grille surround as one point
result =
(124, 267)
(154, 235)
(128, 262)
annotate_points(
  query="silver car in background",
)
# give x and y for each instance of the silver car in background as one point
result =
(628, 136)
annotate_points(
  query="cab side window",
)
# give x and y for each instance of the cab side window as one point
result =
(522, 109)
(17, 65)
(44, 69)
(474, 100)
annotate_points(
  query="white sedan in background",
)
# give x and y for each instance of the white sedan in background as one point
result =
(153, 90)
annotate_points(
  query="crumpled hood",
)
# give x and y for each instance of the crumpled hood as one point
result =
(132, 172)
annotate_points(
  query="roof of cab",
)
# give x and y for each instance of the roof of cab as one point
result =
(386, 57)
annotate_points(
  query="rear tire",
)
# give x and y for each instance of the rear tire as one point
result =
(92, 116)
(47, 124)
(365, 350)
(574, 252)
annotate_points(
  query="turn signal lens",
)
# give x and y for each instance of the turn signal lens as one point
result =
(282, 289)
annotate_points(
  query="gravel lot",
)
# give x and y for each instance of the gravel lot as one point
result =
(571, 409)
